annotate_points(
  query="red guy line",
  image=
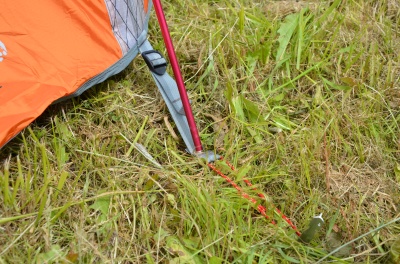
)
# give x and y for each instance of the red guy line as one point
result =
(260, 208)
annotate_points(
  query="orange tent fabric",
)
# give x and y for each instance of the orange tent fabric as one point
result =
(51, 49)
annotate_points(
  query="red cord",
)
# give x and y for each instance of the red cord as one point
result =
(260, 208)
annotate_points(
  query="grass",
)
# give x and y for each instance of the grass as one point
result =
(303, 96)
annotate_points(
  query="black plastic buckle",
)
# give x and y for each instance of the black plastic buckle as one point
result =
(155, 61)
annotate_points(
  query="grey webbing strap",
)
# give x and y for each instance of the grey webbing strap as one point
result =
(170, 93)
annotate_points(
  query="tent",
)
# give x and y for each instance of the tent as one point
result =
(53, 50)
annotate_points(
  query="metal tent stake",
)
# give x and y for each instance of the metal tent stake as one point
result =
(178, 75)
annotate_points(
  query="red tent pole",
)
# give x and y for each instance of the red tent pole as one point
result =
(178, 75)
